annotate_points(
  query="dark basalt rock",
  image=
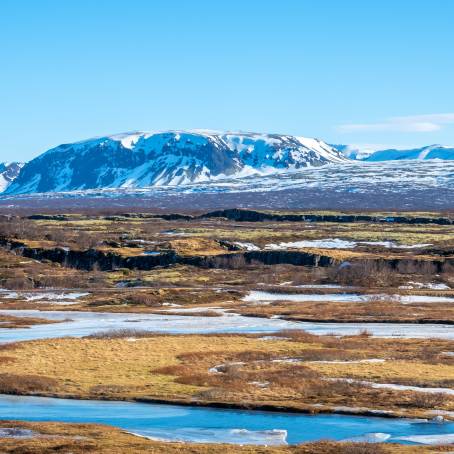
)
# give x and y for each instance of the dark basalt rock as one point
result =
(106, 261)
(238, 215)
(48, 217)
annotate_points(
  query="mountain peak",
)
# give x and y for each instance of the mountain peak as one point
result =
(168, 158)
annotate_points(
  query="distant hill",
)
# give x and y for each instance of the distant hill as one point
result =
(424, 153)
(393, 154)
(172, 158)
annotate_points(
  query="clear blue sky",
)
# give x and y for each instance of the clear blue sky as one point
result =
(340, 70)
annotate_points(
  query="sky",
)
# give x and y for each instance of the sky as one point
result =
(376, 74)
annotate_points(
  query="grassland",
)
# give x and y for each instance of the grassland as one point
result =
(295, 372)
(201, 236)
(130, 237)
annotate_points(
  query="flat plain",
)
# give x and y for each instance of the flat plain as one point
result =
(222, 272)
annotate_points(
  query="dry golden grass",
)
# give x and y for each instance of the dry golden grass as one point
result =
(409, 372)
(80, 364)
(196, 246)
(11, 383)
(39, 243)
(176, 369)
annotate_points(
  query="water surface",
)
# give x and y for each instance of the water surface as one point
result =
(173, 422)
(259, 296)
(79, 324)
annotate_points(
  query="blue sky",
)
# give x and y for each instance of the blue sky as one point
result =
(347, 71)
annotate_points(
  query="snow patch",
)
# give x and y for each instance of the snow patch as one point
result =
(337, 243)
(397, 387)
(444, 439)
(247, 246)
(274, 437)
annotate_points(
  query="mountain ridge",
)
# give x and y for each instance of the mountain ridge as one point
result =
(367, 153)
(141, 160)
(423, 153)
(169, 158)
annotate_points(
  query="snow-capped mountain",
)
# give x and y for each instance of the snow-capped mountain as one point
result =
(172, 158)
(358, 153)
(424, 153)
(9, 171)
(367, 153)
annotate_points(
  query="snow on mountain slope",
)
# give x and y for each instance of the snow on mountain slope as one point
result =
(358, 153)
(367, 153)
(172, 158)
(8, 173)
(424, 153)
(356, 185)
